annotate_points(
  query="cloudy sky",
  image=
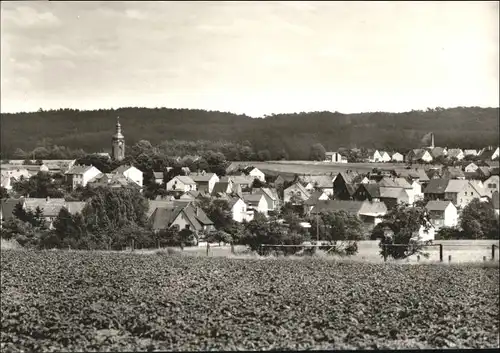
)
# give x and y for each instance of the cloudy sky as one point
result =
(255, 58)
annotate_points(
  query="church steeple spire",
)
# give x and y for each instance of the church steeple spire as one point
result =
(118, 142)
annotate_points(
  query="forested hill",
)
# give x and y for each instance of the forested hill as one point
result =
(92, 130)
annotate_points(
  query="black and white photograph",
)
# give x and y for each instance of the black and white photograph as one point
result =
(249, 175)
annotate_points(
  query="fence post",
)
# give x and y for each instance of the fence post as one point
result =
(449, 258)
(418, 258)
(232, 248)
(133, 245)
(493, 252)
(484, 258)
(440, 252)
(158, 243)
(208, 247)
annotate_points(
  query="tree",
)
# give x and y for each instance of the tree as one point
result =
(218, 211)
(404, 223)
(4, 194)
(478, 221)
(449, 233)
(264, 155)
(41, 185)
(317, 152)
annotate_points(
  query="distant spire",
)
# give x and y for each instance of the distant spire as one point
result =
(118, 126)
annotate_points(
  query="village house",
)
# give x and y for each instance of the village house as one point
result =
(437, 152)
(239, 210)
(313, 200)
(112, 180)
(397, 157)
(435, 190)
(190, 195)
(205, 181)
(318, 182)
(471, 168)
(345, 184)
(417, 174)
(158, 177)
(380, 157)
(256, 202)
(400, 183)
(245, 181)
(335, 157)
(271, 197)
(470, 152)
(131, 173)
(442, 214)
(370, 192)
(419, 155)
(456, 153)
(181, 183)
(49, 206)
(80, 175)
(491, 184)
(255, 173)
(489, 154)
(392, 196)
(461, 192)
(370, 213)
(452, 173)
(295, 194)
(183, 216)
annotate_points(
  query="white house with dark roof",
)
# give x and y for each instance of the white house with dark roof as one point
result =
(80, 175)
(256, 202)
(239, 210)
(205, 181)
(380, 156)
(131, 173)
(397, 157)
(442, 214)
(182, 183)
(335, 157)
(492, 184)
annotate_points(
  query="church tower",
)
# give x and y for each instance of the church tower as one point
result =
(118, 143)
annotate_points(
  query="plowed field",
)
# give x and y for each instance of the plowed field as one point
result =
(83, 301)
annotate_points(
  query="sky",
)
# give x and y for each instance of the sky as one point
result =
(253, 58)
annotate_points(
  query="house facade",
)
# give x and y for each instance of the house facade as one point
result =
(205, 181)
(380, 157)
(335, 157)
(130, 172)
(471, 168)
(239, 210)
(462, 192)
(295, 194)
(256, 203)
(257, 174)
(81, 175)
(442, 214)
(397, 157)
(492, 184)
(181, 183)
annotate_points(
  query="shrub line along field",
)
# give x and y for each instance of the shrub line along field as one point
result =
(91, 301)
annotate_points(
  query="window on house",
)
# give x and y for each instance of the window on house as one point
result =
(494, 185)
(471, 193)
(466, 193)
(187, 226)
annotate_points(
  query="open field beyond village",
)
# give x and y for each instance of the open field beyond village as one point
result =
(321, 168)
(91, 301)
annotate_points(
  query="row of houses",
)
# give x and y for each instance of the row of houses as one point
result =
(420, 155)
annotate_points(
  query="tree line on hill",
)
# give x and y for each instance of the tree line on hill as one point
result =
(274, 137)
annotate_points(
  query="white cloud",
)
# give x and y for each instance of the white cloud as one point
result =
(52, 51)
(29, 17)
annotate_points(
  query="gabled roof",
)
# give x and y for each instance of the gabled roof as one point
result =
(455, 185)
(122, 169)
(395, 182)
(372, 189)
(186, 180)
(50, 207)
(478, 186)
(298, 186)
(232, 201)
(392, 192)
(417, 173)
(79, 169)
(158, 175)
(161, 218)
(337, 205)
(265, 191)
(373, 209)
(242, 179)
(470, 152)
(485, 171)
(436, 186)
(314, 198)
(154, 204)
(220, 187)
(252, 198)
(454, 152)
(350, 177)
(437, 205)
(437, 152)
(323, 181)
(351, 188)
(201, 178)
(452, 173)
